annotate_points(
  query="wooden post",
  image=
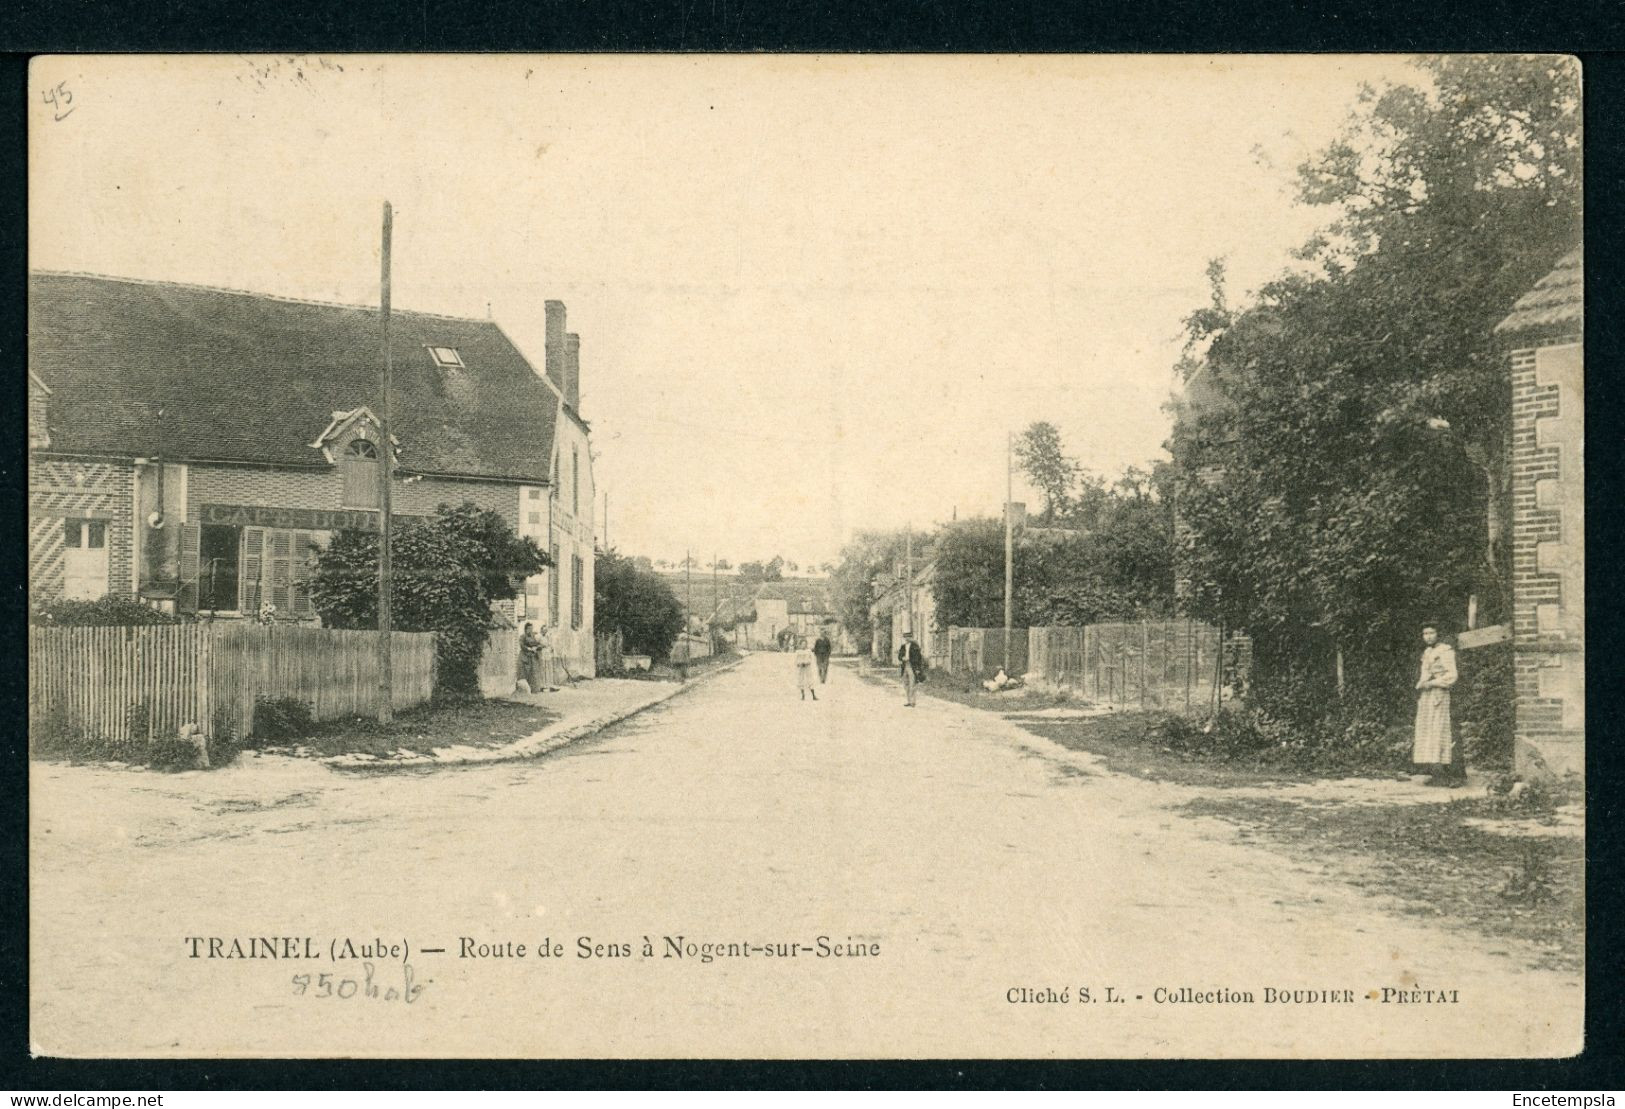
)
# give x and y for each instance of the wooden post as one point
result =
(1340, 673)
(386, 468)
(1009, 543)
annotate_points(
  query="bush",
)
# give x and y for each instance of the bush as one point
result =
(172, 753)
(1336, 742)
(108, 611)
(448, 572)
(1484, 706)
(637, 603)
(282, 718)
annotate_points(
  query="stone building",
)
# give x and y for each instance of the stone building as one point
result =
(192, 446)
(1543, 337)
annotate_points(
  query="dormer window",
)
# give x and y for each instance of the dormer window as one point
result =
(359, 464)
(446, 358)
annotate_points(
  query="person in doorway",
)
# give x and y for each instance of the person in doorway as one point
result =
(530, 659)
(804, 671)
(821, 651)
(912, 661)
(1434, 749)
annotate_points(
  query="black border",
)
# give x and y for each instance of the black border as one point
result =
(822, 25)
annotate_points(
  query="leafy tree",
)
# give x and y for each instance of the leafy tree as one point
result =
(852, 579)
(1323, 514)
(448, 571)
(637, 603)
(1046, 465)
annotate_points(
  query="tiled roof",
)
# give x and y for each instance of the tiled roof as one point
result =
(808, 597)
(1557, 302)
(187, 372)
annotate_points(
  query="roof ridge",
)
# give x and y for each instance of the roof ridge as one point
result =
(278, 297)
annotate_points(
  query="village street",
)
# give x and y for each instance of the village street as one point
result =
(987, 865)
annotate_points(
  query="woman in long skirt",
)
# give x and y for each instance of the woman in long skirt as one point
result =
(530, 658)
(804, 671)
(1434, 748)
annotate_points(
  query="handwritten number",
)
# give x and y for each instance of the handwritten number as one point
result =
(60, 99)
(301, 983)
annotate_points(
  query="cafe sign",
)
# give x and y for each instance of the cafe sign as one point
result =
(292, 519)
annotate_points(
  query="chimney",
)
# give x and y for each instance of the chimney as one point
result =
(572, 372)
(553, 345)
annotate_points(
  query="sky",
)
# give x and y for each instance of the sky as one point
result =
(814, 294)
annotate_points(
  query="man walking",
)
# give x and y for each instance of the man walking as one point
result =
(913, 665)
(821, 652)
(1434, 749)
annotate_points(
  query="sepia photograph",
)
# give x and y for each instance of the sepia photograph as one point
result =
(793, 556)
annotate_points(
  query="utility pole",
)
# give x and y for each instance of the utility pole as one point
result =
(386, 474)
(606, 519)
(908, 576)
(688, 585)
(1009, 543)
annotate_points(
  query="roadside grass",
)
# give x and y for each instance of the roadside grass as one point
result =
(1127, 742)
(1426, 858)
(420, 730)
(1489, 862)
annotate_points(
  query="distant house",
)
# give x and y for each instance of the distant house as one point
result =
(193, 446)
(892, 612)
(1543, 337)
(794, 607)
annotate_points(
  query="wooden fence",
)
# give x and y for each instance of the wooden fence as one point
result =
(126, 683)
(1173, 665)
(979, 652)
(336, 672)
(119, 683)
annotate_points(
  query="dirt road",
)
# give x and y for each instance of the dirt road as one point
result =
(968, 873)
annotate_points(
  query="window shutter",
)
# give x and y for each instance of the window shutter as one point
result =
(253, 569)
(553, 576)
(279, 559)
(186, 598)
(304, 549)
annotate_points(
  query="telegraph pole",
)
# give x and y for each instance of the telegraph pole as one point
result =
(386, 474)
(1009, 543)
(908, 575)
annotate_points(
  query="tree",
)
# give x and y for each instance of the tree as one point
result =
(852, 579)
(637, 603)
(1046, 465)
(1322, 515)
(724, 564)
(448, 572)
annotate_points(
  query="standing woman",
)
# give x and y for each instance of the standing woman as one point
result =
(530, 659)
(804, 670)
(1434, 749)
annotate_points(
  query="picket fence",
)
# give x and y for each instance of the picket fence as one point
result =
(1172, 665)
(126, 683)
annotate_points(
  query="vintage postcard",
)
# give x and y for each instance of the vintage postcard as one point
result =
(820, 557)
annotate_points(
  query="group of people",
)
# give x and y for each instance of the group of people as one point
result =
(809, 656)
(537, 664)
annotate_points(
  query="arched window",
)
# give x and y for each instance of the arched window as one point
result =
(359, 464)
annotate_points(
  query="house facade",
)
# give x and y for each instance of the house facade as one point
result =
(897, 608)
(193, 447)
(1543, 337)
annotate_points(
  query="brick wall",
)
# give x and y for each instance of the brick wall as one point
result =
(1548, 543)
(39, 409)
(60, 488)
